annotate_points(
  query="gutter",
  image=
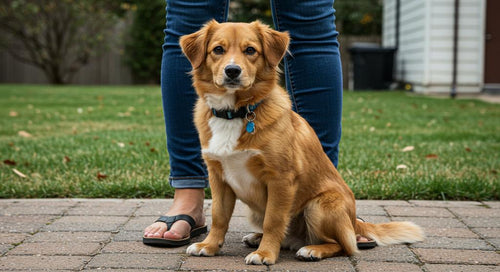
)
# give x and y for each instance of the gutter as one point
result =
(453, 92)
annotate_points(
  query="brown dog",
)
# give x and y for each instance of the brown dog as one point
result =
(258, 150)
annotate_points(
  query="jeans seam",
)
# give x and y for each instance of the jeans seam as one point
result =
(286, 63)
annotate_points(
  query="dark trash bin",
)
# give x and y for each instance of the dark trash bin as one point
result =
(371, 66)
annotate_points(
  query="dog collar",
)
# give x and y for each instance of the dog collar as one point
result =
(247, 112)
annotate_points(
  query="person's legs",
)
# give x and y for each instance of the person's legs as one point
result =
(313, 72)
(312, 69)
(187, 172)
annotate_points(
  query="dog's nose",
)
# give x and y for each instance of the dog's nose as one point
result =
(232, 71)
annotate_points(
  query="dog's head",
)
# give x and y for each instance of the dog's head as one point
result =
(234, 57)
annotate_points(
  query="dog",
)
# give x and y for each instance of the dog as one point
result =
(258, 150)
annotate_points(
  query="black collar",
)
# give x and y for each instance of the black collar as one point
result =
(232, 114)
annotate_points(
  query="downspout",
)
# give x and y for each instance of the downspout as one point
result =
(453, 93)
(397, 78)
(398, 13)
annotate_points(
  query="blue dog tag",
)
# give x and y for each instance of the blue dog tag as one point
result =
(250, 127)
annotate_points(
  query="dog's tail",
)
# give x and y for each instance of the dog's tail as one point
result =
(390, 233)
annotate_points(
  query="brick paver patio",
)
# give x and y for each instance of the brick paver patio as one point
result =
(105, 235)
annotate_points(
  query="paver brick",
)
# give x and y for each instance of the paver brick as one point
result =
(476, 212)
(225, 263)
(450, 232)
(433, 222)
(458, 256)
(103, 208)
(387, 267)
(495, 242)
(25, 209)
(129, 235)
(363, 210)
(138, 261)
(482, 222)
(154, 207)
(139, 223)
(36, 262)
(460, 268)
(488, 232)
(82, 237)
(23, 223)
(445, 204)
(418, 211)
(454, 243)
(383, 203)
(87, 223)
(287, 262)
(139, 247)
(394, 253)
(12, 238)
(50, 248)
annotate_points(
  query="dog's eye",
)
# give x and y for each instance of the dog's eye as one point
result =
(250, 50)
(218, 50)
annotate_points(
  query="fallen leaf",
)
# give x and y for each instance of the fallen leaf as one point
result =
(408, 148)
(131, 143)
(17, 172)
(431, 156)
(468, 149)
(401, 167)
(147, 143)
(388, 124)
(152, 149)
(9, 162)
(24, 134)
(66, 159)
(101, 176)
(493, 171)
(13, 113)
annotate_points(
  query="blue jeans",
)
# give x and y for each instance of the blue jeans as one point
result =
(313, 77)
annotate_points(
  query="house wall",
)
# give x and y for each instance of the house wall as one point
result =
(425, 57)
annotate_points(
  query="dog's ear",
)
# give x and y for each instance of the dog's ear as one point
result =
(275, 43)
(194, 45)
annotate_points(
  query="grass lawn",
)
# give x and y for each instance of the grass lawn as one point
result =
(75, 141)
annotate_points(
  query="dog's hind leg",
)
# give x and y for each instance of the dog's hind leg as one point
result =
(330, 227)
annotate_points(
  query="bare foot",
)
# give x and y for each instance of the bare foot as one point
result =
(186, 201)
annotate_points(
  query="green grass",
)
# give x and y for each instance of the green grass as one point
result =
(81, 134)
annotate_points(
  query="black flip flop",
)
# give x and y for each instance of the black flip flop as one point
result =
(366, 245)
(170, 220)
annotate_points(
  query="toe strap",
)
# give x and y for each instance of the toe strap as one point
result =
(170, 220)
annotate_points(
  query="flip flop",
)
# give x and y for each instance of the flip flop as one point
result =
(366, 245)
(170, 220)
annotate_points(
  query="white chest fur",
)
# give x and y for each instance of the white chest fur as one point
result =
(221, 147)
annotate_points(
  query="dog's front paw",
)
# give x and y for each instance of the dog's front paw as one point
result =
(202, 249)
(252, 240)
(307, 254)
(261, 257)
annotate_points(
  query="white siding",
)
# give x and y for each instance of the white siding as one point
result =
(470, 51)
(425, 55)
(389, 23)
(410, 58)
